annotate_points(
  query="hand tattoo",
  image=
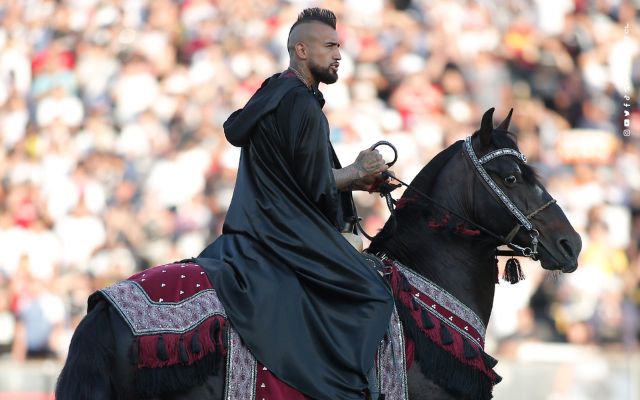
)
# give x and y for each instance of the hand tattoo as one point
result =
(369, 162)
(362, 173)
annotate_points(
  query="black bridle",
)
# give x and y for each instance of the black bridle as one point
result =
(524, 219)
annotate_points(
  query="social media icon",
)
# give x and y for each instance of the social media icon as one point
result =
(627, 98)
(626, 113)
(626, 123)
(626, 132)
(626, 104)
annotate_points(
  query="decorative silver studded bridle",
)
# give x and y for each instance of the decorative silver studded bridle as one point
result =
(524, 220)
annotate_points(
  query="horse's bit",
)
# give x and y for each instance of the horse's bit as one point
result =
(524, 220)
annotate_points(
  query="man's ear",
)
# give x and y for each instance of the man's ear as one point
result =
(301, 50)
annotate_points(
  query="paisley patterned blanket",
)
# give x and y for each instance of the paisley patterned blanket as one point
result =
(177, 321)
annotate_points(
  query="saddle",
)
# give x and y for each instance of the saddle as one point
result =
(181, 333)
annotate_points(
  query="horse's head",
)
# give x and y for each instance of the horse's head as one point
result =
(508, 199)
(481, 188)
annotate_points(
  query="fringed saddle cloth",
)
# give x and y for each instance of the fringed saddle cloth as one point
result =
(180, 334)
(443, 333)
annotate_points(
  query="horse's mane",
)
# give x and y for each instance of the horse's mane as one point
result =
(423, 182)
(426, 178)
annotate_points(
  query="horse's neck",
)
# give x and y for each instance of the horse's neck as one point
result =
(463, 267)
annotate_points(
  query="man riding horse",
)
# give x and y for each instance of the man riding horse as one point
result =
(302, 299)
(306, 304)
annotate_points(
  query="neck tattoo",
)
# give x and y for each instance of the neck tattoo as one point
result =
(301, 77)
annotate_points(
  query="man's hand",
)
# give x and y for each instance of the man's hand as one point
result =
(363, 173)
(369, 163)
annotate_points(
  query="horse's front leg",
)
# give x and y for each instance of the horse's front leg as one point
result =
(421, 388)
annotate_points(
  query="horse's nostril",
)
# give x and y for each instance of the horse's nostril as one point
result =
(565, 246)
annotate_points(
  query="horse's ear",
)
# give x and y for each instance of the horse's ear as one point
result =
(486, 127)
(504, 125)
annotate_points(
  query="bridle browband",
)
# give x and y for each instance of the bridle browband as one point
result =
(524, 220)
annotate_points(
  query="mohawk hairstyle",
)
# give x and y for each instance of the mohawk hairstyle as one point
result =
(315, 14)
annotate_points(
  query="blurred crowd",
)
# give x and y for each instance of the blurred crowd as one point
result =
(113, 158)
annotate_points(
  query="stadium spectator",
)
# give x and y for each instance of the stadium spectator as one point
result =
(112, 158)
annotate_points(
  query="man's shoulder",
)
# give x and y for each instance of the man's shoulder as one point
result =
(299, 97)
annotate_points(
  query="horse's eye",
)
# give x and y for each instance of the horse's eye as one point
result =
(510, 180)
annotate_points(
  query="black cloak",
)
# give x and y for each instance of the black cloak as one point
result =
(303, 300)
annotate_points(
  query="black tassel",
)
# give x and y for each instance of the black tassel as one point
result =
(489, 361)
(220, 345)
(426, 320)
(161, 349)
(134, 352)
(182, 351)
(497, 272)
(513, 271)
(225, 336)
(406, 286)
(445, 335)
(157, 382)
(213, 331)
(414, 304)
(196, 347)
(469, 351)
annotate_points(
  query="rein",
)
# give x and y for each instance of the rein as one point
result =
(385, 190)
(524, 221)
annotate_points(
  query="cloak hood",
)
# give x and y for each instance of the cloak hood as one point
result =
(240, 124)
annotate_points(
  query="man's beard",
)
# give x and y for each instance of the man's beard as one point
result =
(323, 75)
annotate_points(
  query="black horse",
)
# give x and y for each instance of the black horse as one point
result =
(473, 197)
